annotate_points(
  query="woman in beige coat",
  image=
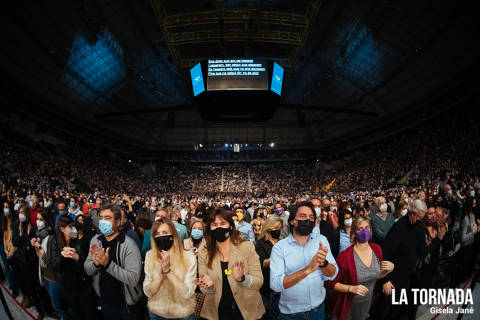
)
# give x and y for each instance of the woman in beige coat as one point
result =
(230, 272)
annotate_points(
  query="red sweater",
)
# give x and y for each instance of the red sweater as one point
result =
(33, 216)
(347, 274)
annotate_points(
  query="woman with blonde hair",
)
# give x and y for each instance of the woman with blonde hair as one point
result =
(269, 236)
(170, 273)
(359, 267)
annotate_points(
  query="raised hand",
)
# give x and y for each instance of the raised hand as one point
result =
(238, 270)
(165, 261)
(321, 254)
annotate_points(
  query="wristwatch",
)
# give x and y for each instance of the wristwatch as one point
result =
(324, 264)
(242, 278)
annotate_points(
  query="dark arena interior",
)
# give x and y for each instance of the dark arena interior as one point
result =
(240, 159)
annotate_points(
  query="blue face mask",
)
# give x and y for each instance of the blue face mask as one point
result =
(472, 193)
(72, 204)
(197, 234)
(105, 227)
(450, 192)
(61, 212)
(30, 203)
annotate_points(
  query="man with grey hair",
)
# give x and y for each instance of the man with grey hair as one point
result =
(404, 244)
(382, 220)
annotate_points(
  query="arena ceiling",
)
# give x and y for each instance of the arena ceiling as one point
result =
(67, 63)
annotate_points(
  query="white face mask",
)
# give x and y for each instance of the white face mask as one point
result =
(404, 212)
(348, 222)
(72, 233)
(383, 207)
(318, 211)
(21, 217)
(40, 224)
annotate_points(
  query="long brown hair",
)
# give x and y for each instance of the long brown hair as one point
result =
(211, 242)
(63, 221)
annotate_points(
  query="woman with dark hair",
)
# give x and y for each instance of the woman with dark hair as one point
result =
(230, 272)
(67, 261)
(257, 222)
(401, 210)
(45, 236)
(86, 231)
(143, 223)
(468, 230)
(7, 248)
(25, 261)
(345, 220)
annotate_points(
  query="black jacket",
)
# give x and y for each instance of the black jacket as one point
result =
(70, 273)
(326, 229)
(264, 250)
(25, 254)
(404, 245)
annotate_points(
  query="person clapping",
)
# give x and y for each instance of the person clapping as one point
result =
(230, 272)
(170, 273)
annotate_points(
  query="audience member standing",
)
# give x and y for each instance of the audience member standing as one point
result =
(230, 272)
(170, 273)
(115, 263)
(299, 265)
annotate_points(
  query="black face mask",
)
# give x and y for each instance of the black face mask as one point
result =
(327, 209)
(164, 242)
(179, 220)
(275, 233)
(221, 234)
(78, 225)
(305, 227)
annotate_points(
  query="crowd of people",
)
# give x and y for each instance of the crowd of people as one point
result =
(80, 256)
(90, 235)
